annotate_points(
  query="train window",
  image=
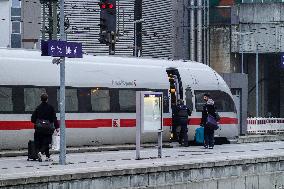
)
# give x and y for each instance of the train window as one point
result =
(166, 101)
(223, 101)
(100, 100)
(188, 98)
(32, 98)
(71, 100)
(6, 103)
(52, 96)
(84, 100)
(127, 100)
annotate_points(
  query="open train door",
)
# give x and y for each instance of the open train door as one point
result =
(175, 92)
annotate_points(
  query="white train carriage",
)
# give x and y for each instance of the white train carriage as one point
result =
(100, 96)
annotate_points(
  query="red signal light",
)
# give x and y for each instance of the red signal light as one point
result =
(110, 5)
(103, 6)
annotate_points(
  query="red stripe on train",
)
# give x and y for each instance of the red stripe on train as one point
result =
(101, 123)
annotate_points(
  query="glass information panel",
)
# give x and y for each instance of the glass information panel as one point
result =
(152, 112)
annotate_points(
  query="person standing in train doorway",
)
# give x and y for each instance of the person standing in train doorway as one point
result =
(183, 113)
(44, 118)
(175, 123)
(208, 109)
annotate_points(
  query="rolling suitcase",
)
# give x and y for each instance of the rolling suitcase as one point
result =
(199, 135)
(32, 152)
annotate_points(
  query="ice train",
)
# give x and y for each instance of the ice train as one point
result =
(100, 96)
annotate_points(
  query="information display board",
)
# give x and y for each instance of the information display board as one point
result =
(152, 105)
(149, 117)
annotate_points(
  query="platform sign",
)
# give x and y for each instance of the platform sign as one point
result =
(282, 60)
(149, 117)
(61, 49)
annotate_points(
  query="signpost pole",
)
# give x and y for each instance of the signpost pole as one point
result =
(138, 124)
(62, 157)
(160, 144)
(256, 83)
(160, 133)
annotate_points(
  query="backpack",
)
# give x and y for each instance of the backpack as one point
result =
(182, 111)
(44, 127)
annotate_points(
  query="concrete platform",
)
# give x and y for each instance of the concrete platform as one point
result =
(260, 138)
(245, 164)
(240, 140)
(83, 149)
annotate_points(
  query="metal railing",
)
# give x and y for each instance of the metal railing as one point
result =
(265, 125)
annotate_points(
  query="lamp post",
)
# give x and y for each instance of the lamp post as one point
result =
(135, 35)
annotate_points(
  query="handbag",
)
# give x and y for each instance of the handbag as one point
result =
(212, 122)
(44, 127)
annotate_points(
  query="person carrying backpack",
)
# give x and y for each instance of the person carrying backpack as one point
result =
(209, 111)
(183, 113)
(44, 118)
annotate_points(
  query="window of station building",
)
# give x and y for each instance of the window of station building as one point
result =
(6, 103)
(100, 100)
(223, 101)
(16, 3)
(16, 27)
(127, 100)
(32, 98)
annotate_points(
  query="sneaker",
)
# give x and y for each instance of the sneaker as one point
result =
(210, 147)
(39, 156)
(48, 159)
(206, 147)
(184, 145)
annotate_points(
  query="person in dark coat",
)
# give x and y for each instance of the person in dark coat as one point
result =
(175, 123)
(183, 113)
(42, 140)
(208, 108)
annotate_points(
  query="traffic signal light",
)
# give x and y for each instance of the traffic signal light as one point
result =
(107, 20)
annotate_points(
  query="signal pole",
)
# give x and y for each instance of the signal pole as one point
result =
(108, 24)
(135, 35)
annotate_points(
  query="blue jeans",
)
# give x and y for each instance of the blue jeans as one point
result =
(208, 136)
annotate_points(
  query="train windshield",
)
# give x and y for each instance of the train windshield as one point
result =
(223, 101)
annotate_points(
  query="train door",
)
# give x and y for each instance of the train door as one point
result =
(175, 92)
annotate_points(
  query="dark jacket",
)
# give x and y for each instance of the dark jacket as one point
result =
(45, 112)
(208, 108)
(183, 112)
(175, 114)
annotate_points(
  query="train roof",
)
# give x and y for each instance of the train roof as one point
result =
(110, 71)
(31, 54)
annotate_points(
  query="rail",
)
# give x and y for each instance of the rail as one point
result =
(265, 125)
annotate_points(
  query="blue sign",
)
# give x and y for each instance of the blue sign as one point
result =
(282, 60)
(61, 49)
